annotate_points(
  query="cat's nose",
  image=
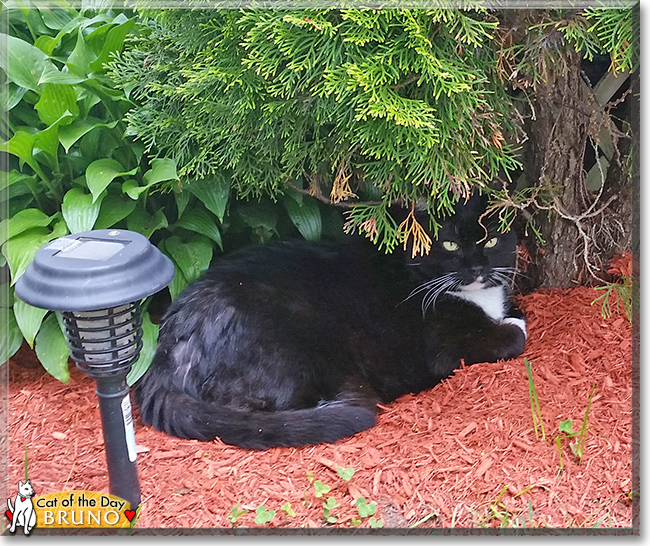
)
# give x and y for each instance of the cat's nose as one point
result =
(477, 270)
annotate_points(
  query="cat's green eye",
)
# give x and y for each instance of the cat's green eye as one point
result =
(492, 243)
(450, 246)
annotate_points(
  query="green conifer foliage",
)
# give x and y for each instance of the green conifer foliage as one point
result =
(358, 107)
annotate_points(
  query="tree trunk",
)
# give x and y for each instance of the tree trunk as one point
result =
(582, 227)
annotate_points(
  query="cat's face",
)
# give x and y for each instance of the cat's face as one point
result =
(25, 489)
(467, 255)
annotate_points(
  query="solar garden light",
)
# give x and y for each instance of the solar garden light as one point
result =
(98, 279)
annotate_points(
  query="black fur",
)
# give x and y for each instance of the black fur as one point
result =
(295, 343)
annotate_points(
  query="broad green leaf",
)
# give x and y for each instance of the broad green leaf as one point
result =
(213, 193)
(46, 44)
(14, 177)
(22, 62)
(145, 223)
(131, 188)
(80, 211)
(56, 18)
(21, 249)
(22, 221)
(261, 216)
(101, 172)
(161, 170)
(12, 95)
(306, 217)
(48, 139)
(10, 337)
(115, 207)
(193, 257)
(55, 101)
(149, 339)
(29, 319)
(200, 221)
(52, 349)
(69, 134)
(22, 146)
(182, 199)
(6, 295)
(82, 55)
(52, 75)
(179, 282)
(114, 41)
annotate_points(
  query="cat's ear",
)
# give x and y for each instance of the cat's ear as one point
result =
(20, 483)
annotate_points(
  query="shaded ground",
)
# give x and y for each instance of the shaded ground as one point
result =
(464, 454)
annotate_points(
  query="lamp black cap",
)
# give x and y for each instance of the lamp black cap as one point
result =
(94, 270)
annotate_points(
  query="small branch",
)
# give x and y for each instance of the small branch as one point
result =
(327, 201)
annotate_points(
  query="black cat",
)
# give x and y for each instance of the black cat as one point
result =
(294, 343)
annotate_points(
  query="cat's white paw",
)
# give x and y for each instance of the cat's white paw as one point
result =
(518, 322)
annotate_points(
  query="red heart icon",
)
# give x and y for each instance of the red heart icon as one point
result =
(10, 515)
(130, 514)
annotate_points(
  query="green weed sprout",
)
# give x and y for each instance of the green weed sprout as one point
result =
(534, 402)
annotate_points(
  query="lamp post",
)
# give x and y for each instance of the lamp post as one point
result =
(97, 280)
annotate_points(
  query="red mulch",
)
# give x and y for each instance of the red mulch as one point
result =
(462, 455)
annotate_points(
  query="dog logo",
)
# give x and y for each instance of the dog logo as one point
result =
(22, 512)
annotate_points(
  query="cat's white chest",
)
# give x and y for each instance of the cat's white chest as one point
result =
(492, 300)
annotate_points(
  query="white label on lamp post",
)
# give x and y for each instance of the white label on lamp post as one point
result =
(128, 427)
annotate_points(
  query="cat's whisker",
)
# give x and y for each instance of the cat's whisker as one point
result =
(428, 285)
(430, 298)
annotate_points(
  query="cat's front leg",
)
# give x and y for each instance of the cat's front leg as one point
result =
(474, 339)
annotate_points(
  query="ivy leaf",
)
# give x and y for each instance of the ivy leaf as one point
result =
(29, 319)
(101, 172)
(10, 337)
(80, 210)
(52, 350)
(149, 339)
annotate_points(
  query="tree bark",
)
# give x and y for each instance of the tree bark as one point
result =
(582, 228)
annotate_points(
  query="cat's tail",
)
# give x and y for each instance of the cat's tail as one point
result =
(179, 414)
